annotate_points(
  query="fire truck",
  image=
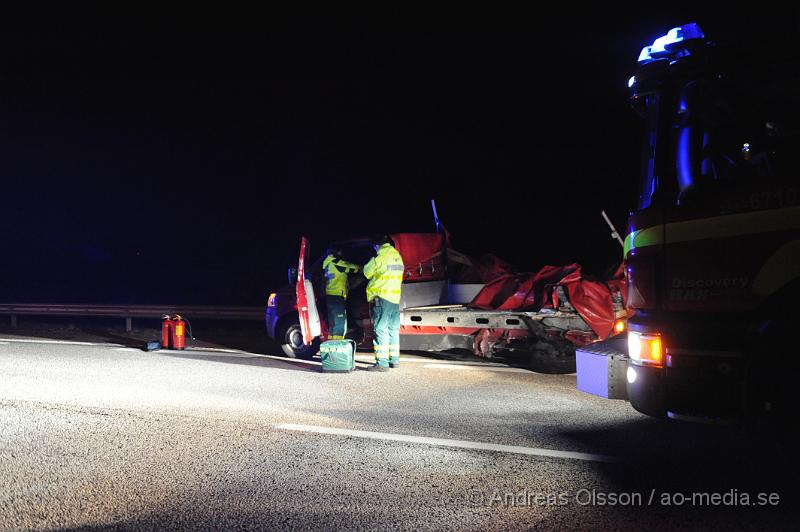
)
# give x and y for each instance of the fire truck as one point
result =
(712, 252)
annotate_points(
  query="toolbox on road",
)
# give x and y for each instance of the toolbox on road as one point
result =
(338, 356)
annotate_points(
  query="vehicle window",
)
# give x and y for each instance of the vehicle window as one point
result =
(737, 131)
(649, 182)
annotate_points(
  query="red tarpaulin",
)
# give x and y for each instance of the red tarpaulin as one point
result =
(592, 300)
(522, 291)
(532, 291)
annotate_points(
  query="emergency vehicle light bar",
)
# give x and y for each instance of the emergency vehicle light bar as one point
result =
(658, 49)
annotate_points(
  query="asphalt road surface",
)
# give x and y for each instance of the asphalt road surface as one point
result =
(104, 435)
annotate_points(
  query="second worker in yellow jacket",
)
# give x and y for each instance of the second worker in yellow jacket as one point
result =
(336, 270)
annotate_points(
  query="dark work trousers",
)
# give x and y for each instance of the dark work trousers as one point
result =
(337, 317)
(386, 331)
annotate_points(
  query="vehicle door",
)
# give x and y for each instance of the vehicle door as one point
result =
(306, 301)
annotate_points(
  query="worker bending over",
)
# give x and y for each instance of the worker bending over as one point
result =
(385, 273)
(336, 270)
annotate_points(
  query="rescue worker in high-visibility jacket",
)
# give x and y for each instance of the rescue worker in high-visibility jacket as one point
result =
(385, 273)
(336, 270)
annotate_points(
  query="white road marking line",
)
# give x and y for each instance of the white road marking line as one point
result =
(367, 359)
(464, 363)
(359, 364)
(57, 342)
(218, 350)
(463, 444)
(126, 349)
(371, 359)
(290, 360)
(3, 343)
(505, 369)
(279, 358)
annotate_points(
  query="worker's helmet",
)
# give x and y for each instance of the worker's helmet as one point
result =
(336, 251)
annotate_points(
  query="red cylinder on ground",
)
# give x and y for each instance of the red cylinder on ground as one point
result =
(167, 325)
(178, 333)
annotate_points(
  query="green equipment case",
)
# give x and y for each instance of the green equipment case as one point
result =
(338, 356)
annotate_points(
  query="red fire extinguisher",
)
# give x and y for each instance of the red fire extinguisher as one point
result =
(167, 325)
(178, 333)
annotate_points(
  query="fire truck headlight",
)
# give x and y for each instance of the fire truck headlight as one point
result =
(273, 300)
(645, 348)
(631, 374)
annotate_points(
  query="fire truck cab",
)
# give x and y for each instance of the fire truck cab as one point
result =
(713, 247)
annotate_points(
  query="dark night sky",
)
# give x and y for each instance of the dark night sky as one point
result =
(133, 155)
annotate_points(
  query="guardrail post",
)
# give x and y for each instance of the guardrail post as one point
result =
(14, 321)
(128, 324)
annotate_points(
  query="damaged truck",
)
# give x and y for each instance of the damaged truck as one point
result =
(453, 302)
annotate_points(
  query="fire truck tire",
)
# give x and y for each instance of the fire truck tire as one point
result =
(554, 358)
(290, 338)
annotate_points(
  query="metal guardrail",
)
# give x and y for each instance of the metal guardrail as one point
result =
(130, 311)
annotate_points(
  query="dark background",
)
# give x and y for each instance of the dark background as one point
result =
(179, 156)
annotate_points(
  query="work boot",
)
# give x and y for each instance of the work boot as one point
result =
(378, 367)
(394, 363)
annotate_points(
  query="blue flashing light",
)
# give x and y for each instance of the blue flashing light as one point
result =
(685, 177)
(659, 47)
(682, 106)
(631, 81)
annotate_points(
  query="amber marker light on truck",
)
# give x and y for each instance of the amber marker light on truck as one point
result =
(273, 300)
(619, 326)
(645, 348)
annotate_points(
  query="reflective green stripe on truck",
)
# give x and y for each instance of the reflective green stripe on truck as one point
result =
(727, 226)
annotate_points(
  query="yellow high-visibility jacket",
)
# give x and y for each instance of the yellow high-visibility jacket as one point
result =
(385, 274)
(336, 271)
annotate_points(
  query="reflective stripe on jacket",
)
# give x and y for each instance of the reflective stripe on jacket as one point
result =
(336, 271)
(385, 274)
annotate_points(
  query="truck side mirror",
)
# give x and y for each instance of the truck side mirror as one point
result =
(292, 276)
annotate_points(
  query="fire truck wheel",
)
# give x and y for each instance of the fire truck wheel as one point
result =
(552, 358)
(290, 337)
